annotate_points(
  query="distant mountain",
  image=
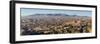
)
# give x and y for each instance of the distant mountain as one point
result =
(50, 14)
(58, 15)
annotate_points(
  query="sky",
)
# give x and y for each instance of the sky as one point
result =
(32, 11)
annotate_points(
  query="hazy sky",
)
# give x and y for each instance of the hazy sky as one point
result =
(32, 11)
